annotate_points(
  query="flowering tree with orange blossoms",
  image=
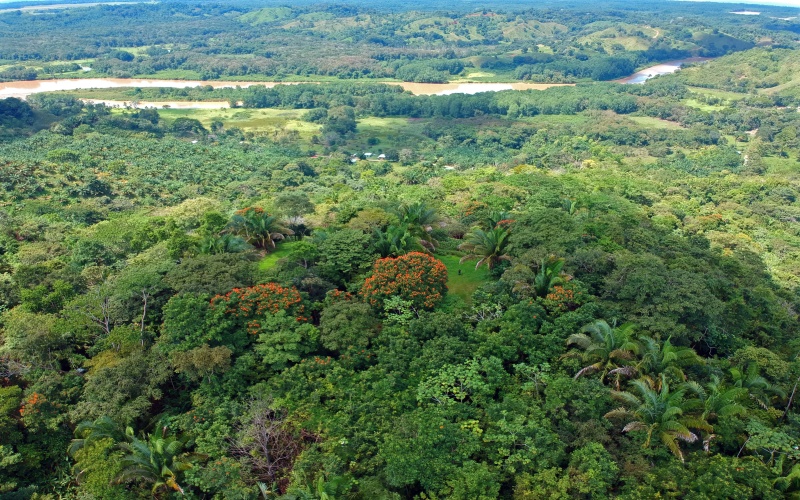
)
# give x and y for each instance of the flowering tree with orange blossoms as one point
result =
(416, 277)
(252, 303)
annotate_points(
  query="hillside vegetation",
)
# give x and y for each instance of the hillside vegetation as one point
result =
(342, 290)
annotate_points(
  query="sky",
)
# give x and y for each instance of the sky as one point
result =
(783, 3)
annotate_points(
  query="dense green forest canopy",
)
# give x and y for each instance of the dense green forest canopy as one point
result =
(427, 43)
(343, 290)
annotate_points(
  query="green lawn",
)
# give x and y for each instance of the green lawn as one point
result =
(722, 94)
(694, 103)
(253, 120)
(556, 119)
(395, 133)
(468, 281)
(650, 122)
(283, 250)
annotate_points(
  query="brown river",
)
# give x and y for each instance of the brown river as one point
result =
(25, 88)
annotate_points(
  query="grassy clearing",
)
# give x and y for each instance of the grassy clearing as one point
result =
(556, 119)
(137, 51)
(653, 123)
(721, 94)
(265, 120)
(388, 132)
(465, 284)
(694, 103)
(283, 250)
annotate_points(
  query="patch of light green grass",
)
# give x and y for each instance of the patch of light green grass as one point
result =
(464, 284)
(721, 94)
(694, 103)
(389, 133)
(652, 123)
(252, 120)
(283, 250)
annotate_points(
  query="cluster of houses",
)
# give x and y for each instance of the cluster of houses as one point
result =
(367, 156)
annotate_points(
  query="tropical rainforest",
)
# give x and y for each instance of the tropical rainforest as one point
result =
(338, 289)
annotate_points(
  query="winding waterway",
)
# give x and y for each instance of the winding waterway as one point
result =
(660, 69)
(23, 89)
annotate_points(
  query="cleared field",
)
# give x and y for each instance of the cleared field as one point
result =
(252, 120)
(650, 122)
(464, 284)
(721, 94)
(694, 103)
(392, 132)
(283, 250)
(555, 119)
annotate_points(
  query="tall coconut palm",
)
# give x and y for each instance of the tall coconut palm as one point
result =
(662, 413)
(489, 247)
(609, 350)
(157, 461)
(258, 228)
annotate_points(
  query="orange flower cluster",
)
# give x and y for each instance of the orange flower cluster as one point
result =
(254, 302)
(415, 276)
(505, 223)
(565, 298)
(473, 207)
(318, 361)
(29, 406)
(248, 210)
(337, 294)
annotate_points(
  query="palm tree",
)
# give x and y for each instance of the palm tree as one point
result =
(660, 413)
(496, 217)
(548, 276)
(607, 348)
(657, 358)
(759, 389)
(395, 241)
(258, 228)
(87, 433)
(790, 483)
(321, 489)
(156, 461)
(225, 243)
(420, 219)
(489, 247)
(718, 400)
(569, 206)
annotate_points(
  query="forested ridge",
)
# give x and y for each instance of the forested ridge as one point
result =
(343, 290)
(434, 43)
